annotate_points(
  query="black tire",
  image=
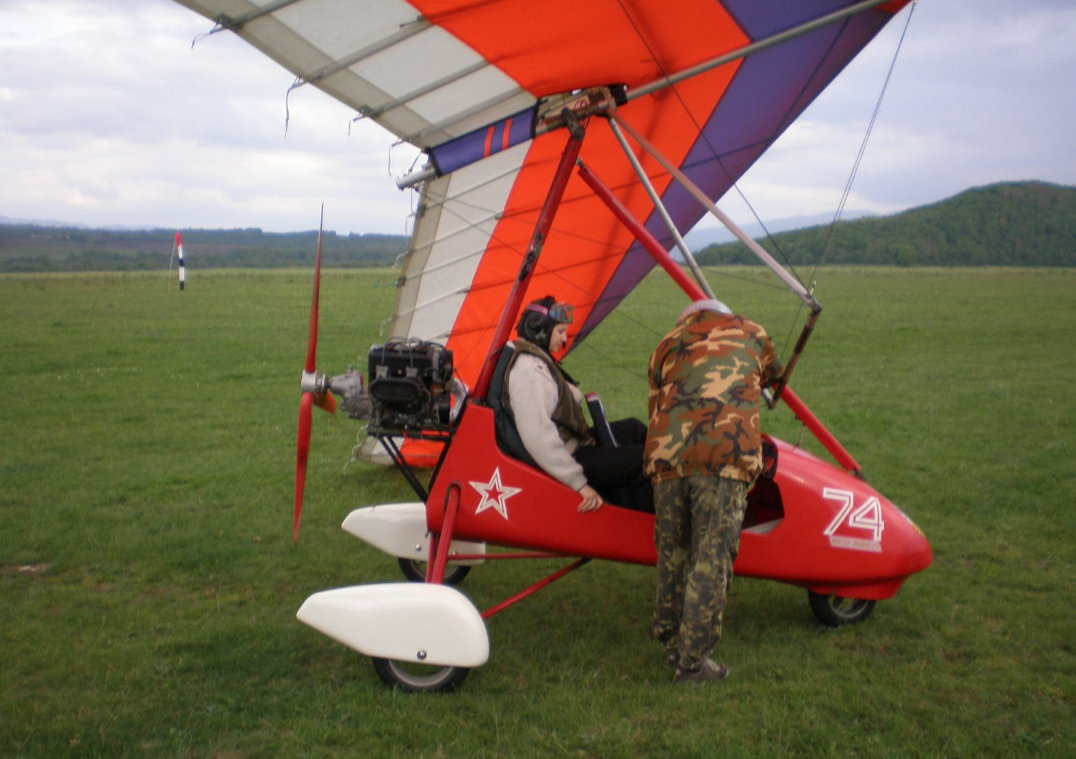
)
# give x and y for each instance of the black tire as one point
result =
(418, 678)
(415, 571)
(835, 611)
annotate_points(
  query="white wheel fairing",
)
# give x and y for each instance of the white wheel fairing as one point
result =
(399, 529)
(409, 622)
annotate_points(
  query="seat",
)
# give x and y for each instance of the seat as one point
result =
(504, 423)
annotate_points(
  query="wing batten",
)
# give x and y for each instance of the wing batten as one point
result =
(452, 78)
(381, 45)
(236, 23)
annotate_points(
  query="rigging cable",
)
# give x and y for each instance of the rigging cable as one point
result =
(734, 185)
(827, 246)
(721, 164)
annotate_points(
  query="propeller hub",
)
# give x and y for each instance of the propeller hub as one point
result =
(312, 382)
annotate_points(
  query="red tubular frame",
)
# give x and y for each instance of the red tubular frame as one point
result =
(533, 589)
(648, 241)
(441, 544)
(825, 437)
(662, 257)
(534, 249)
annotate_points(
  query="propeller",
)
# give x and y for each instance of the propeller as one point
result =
(314, 390)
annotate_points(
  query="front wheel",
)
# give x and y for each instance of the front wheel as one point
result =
(415, 571)
(419, 678)
(835, 611)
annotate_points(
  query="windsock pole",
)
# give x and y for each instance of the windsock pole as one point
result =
(182, 269)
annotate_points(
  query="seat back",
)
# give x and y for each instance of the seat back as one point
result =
(504, 423)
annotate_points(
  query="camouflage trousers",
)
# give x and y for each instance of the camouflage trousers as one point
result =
(697, 534)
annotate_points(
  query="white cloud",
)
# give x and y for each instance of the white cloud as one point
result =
(111, 118)
(982, 91)
(114, 119)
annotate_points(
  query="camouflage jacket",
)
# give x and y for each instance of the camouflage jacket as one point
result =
(706, 379)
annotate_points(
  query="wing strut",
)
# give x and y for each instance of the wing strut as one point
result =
(693, 291)
(793, 284)
(662, 211)
(796, 286)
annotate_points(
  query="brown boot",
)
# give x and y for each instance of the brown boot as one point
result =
(709, 672)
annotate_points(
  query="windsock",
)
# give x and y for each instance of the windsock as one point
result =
(182, 269)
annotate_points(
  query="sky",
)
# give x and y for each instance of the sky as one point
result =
(109, 117)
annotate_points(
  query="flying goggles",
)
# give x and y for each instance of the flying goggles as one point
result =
(558, 312)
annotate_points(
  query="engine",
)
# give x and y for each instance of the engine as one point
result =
(410, 388)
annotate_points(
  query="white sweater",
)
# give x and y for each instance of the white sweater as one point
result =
(533, 393)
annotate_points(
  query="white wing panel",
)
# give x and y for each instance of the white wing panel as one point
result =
(393, 70)
(489, 85)
(380, 58)
(461, 212)
(340, 28)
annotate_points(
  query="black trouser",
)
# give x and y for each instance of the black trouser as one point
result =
(617, 473)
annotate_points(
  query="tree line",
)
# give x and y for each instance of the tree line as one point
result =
(35, 248)
(1007, 224)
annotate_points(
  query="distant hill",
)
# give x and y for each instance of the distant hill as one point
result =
(36, 248)
(697, 238)
(1007, 224)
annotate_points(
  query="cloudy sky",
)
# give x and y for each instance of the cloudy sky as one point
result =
(109, 117)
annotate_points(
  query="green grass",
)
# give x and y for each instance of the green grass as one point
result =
(148, 583)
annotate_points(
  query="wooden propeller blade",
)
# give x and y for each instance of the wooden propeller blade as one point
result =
(306, 405)
(301, 453)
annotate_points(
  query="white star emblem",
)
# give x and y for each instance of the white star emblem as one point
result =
(494, 494)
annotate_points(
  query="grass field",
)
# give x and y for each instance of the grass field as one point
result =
(148, 582)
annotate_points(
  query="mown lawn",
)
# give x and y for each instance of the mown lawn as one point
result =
(148, 581)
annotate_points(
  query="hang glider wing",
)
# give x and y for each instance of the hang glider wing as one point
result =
(480, 85)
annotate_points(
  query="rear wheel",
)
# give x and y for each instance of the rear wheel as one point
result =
(419, 678)
(415, 571)
(835, 611)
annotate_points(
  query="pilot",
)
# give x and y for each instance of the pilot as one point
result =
(546, 406)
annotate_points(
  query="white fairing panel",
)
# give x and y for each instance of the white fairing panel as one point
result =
(399, 529)
(409, 622)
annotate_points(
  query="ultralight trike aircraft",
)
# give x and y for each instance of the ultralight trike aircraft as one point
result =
(528, 112)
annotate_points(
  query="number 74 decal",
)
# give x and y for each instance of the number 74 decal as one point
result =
(867, 516)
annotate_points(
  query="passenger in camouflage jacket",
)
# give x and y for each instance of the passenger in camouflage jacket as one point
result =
(703, 449)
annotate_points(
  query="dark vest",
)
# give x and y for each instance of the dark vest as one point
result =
(567, 415)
